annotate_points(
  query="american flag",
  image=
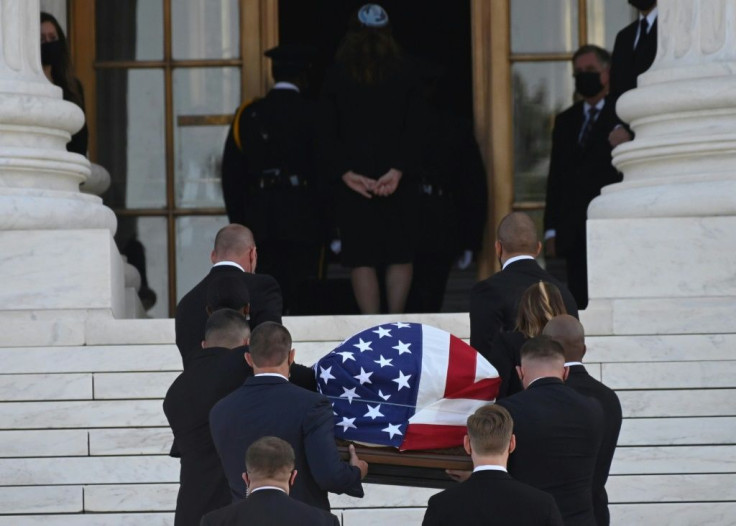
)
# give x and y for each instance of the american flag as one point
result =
(405, 385)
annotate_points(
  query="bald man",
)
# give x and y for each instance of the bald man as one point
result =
(569, 333)
(494, 302)
(558, 432)
(234, 254)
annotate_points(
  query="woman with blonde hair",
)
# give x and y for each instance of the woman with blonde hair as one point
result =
(540, 303)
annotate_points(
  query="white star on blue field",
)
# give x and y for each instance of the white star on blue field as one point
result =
(372, 381)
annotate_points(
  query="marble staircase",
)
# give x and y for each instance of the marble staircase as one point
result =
(83, 439)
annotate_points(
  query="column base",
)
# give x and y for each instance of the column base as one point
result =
(64, 270)
(663, 275)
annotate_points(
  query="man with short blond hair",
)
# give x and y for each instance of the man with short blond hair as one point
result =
(490, 496)
(269, 475)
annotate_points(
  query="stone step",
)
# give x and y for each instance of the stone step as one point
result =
(678, 431)
(44, 443)
(90, 519)
(653, 514)
(127, 498)
(674, 514)
(669, 375)
(165, 357)
(147, 469)
(71, 415)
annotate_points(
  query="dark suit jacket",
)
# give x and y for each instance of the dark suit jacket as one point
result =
(269, 507)
(583, 383)
(271, 406)
(577, 174)
(494, 302)
(558, 435)
(626, 65)
(492, 497)
(505, 356)
(212, 374)
(191, 316)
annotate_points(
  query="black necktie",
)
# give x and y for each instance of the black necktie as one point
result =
(643, 26)
(588, 126)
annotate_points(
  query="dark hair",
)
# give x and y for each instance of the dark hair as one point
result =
(490, 429)
(540, 303)
(270, 344)
(603, 56)
(227, 291)
(269, 457)
(226, 328)
(61, 70)
(542, 348)
(368, 54)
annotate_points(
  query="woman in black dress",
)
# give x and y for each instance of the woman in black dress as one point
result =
(370, 144)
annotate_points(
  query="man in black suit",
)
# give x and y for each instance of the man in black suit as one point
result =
(490, 496)
(269, 474)
(267, 404)
(214, 372)
(494, 302)
(580, 165)
(568, 332)
(269, 176)
(633, 53)
(558, 432)
(234, 254)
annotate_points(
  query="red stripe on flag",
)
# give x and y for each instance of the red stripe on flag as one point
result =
(429, 436)
(460, 366)
(485, 389)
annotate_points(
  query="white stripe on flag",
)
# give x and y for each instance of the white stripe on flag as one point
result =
(449, 412)
(435, 359)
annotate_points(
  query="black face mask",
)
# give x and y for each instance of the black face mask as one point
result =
(588, 83)
(51, 52)
(643, 5)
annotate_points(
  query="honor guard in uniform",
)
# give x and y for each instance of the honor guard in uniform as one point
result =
(269, 176)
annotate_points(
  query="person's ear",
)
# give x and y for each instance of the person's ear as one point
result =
(292, 353)
(512, 443)
(466, 445)
(292, 478)
(520, 372)
(565, 374)
(246, 479)
(539, 248)
(203, 344)
(213, 257)
(253, 259)
(499, 249)
(248, 358)
(585, 349)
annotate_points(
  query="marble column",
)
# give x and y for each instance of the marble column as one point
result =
(56, 247)
(662, 243)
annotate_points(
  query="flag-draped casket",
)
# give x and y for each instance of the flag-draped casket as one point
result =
(406, 385)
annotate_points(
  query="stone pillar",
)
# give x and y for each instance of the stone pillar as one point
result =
(662, 243)
(56, 247)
